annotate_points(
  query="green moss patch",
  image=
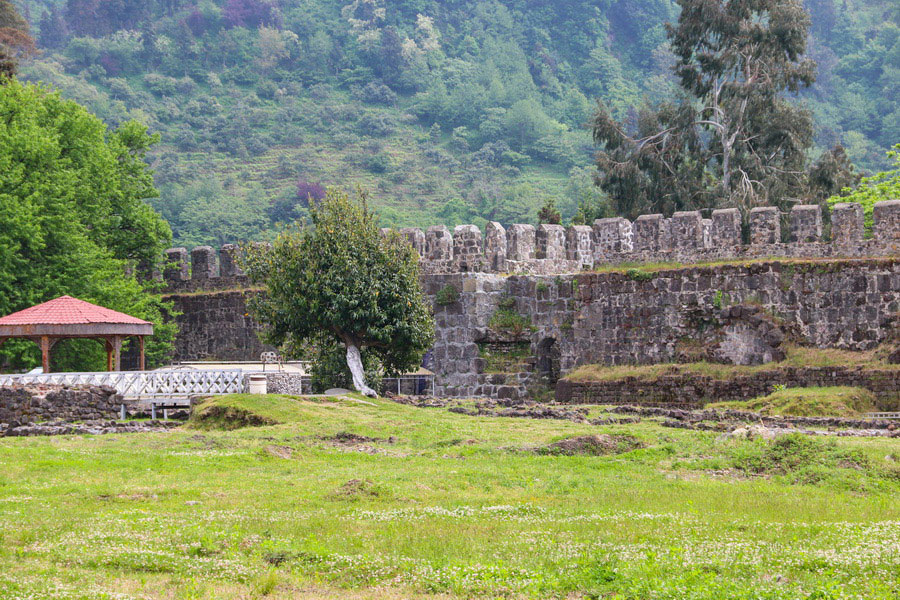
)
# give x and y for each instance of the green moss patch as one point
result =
(809, 402)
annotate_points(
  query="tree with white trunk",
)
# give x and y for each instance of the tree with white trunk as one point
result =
(338, 280)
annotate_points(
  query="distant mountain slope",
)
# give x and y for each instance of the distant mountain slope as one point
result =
(445, 111)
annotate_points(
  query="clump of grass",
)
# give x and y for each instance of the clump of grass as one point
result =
(796, 356)
(211, 415)
(800, 459)
(809, 402)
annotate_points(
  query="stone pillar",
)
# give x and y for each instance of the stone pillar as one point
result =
(203, 263)
(415, 237)
(385, 231)
(886, 219)
(706, 228)
(438, 243)
(765, 226)
(520, 242)
(806, 223)
(612, 236)
(847, 224)
(648, 229)
(176, 267)
(228, 261)
(687, 230)
(551, 242)
(726, 228)
(495, 246)
(468, 250)
(580, 245)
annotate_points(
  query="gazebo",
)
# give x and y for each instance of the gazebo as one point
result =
(67, 317)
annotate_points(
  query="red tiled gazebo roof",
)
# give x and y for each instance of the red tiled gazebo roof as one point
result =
(68, 317)
(67, 310)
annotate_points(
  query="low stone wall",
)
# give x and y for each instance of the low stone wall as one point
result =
(290, 384)
(23, 405)
(690, 389)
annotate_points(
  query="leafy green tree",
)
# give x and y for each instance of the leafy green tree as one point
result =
(877, 188)
(549, 214)
(342, 279)
(734, 139)
(72, 216)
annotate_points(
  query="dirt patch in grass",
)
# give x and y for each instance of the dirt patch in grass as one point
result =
(276, 451)
(592, 445)
(357, 489)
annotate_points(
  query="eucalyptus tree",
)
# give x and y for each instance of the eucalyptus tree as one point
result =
(734, 138)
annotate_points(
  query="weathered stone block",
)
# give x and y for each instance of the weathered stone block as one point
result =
(726, 228)
(551, 242)
(806, 223)
(468, 250)
(706, 228)
(847, 224)
(687, 230)
(495, 246)
(203, 263)
(765, 226)
(648, 231)
(229, 257)
(438, 243)
(886, 220)
(176, 268)
(580, 245)
(416, 239)
(520, 242)
(612, 236)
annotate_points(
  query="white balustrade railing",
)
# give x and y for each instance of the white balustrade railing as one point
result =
(149, 385)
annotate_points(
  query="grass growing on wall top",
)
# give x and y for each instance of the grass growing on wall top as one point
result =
(809, 402)
(796, 356)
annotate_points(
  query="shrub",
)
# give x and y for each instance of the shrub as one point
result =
(447, 295)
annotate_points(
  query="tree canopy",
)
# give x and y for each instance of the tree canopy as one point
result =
(338, 280)
(733, 139)
(871, 190)
(72, 216)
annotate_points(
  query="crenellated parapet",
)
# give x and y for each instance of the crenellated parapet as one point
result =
(685, 238)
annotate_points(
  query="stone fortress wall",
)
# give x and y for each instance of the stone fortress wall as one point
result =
(846, 295)
(684, 238)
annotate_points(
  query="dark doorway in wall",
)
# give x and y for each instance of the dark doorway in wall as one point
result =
(547, 359)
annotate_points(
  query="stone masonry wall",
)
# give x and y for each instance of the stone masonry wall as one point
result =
(618, 317)
(22, 405)
(694, 390)
(552, 249)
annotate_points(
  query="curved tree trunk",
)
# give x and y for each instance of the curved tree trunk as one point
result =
(354, 361)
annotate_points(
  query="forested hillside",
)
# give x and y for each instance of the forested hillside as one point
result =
(446, 112)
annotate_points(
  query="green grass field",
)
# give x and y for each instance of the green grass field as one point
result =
(344, 499)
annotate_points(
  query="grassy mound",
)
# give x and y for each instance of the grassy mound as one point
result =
(236, 411)
(592, 445)
(809, 402)
(796, 356)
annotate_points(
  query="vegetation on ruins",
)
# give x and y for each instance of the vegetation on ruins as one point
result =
(877, 188)
(340, 281)
(447, 112)
(733, 138)
(809, 402)
(389, 501)
(73, 219)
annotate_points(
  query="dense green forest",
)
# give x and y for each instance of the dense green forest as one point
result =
(446, 112)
